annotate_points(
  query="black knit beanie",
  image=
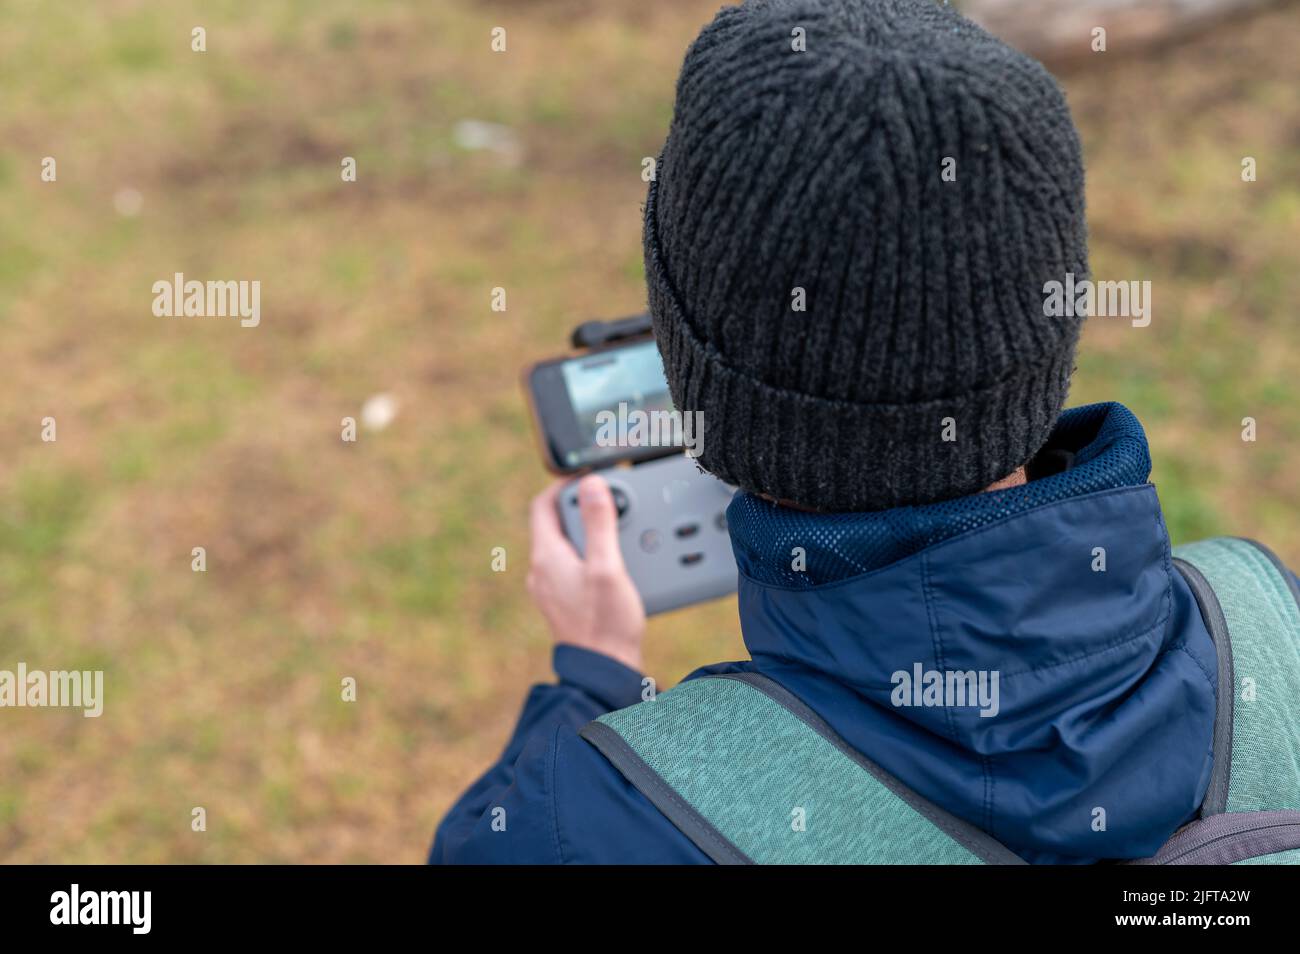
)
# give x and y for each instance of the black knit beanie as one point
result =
(912, 183)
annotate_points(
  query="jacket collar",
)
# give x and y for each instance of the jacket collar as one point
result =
(1108, 448)
(1011, 585)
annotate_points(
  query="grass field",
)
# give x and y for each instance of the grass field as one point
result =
(371, 559)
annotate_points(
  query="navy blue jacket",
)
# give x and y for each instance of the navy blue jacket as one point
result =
(1107, 676)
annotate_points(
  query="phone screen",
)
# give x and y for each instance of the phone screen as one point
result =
(587, 405)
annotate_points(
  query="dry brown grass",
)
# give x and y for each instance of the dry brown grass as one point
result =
(372, 560)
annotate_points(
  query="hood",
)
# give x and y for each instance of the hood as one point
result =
(1087, 731)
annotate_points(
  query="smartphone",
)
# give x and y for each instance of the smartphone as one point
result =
(581, 405)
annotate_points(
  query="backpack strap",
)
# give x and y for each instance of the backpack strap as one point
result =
(1247, 595)
(751, 774)
(1251, 606)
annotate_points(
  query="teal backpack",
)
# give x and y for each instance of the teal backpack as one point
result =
(724, 757)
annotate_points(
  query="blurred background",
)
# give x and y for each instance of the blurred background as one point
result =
(372, 559)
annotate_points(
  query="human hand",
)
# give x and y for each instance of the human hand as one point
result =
(589, 602)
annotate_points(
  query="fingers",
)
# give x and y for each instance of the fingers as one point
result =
(600, 522)
(544, 522)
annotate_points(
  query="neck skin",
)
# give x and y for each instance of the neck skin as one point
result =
(1013, 479)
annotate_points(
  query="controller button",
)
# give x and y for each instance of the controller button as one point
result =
(690, 559)
(687, 530)
(650, 541)
(621, 502)
(720, 521)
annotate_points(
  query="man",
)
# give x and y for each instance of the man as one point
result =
(857, 212)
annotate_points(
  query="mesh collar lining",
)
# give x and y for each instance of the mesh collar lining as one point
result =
(1110, 451)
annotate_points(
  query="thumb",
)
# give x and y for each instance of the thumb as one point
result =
(599, 522)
